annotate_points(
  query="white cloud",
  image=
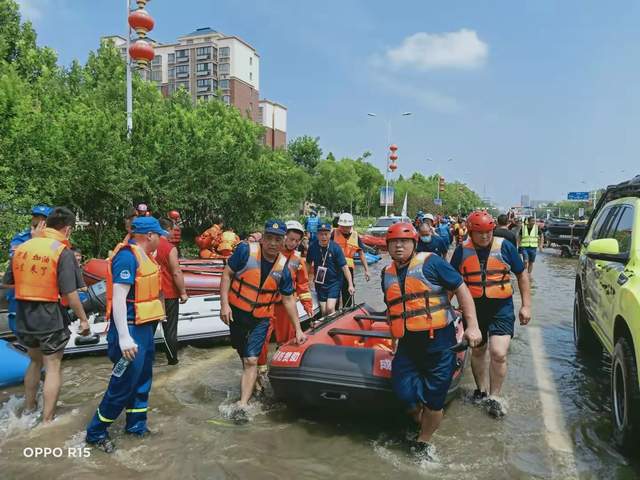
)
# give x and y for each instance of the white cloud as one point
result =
(427, 51)
(29, 10)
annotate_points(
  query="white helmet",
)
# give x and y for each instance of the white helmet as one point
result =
(345, 220)
(294, 225)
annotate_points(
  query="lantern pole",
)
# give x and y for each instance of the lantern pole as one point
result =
(129, 79)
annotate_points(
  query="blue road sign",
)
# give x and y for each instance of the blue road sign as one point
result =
(578, 196)
(437, 202)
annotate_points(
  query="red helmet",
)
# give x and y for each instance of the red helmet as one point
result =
(174, 215)
(402, 230)
(480, 222)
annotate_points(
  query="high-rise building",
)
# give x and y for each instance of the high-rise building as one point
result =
(205, 62)
(525, 201)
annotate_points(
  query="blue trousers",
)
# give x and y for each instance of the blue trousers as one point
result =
(131, 390)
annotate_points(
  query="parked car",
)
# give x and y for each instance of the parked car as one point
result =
(607, 301)
(565, 234)
(379, 228)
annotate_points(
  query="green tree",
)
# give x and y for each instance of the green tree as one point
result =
(305, 151)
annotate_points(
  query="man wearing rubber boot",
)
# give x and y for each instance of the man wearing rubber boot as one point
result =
(280, 322)
(416, 290)
(255, 278)
(486, 263)
(45, 275)
(347, 239)
(134, 306)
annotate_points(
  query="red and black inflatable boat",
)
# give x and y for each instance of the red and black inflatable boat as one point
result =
(345, 364)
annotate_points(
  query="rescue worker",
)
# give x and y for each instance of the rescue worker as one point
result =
(430, 242)
(174, 291)
(503, 231)
(43, 271)
(175, 232)
(416, 290)
(280, 323)
(460, 232)
(228, 242)
(134, 306)
(348, 240)
(255, 278)
(142, 210)
(329, 268)
(39, 214)
(531, 240)
(486, 263)
(209, 240)
(312, 224)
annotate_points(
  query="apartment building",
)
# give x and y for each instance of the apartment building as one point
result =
(206, 61)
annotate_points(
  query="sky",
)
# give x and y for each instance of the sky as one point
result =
(530, 97)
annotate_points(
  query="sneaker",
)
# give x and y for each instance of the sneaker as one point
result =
(104, 444)
(422, 450)
(479, 397)
(495, 408)
(144, 434)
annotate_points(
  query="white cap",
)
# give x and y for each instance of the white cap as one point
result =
(345, 220)
(294, 225)
(428, 216)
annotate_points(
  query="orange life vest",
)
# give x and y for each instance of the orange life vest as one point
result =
(146, 302)
(294, 263)
(348, 245)
(492, 280)
(247, 294)
(228, 241)
(35, 267)
(424, 307)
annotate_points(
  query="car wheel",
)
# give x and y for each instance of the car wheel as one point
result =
(625, 395)
(584, 337)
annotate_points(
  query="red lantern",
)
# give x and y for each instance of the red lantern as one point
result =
(393, 157)
(142, 52)
(393, 147)
(393, 166)
(141, 22)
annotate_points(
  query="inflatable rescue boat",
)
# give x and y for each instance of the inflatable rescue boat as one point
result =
(345, 364)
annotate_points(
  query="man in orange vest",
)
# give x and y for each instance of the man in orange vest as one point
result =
(280, 322)
(135, 306)
(486, 263)
(255, 278)
(347, 239)
(45, 275)
(416, 290)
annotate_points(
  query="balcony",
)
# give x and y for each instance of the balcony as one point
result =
(182, 59)
(204, 89)
(203, 73)
(203, 56)
(182, 74)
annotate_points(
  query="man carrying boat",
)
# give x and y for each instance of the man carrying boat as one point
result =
(255, 278)
(330, 269)
(134, 306)
(486, 263)
(416, 290)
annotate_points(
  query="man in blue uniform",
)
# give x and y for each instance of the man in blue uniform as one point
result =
(135, 306)
(328, 268)
(312, 224)
(39, 215)
(430, 242)
(255, 278)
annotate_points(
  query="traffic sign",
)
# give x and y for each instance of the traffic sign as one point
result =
(437, 202)
(578, 196)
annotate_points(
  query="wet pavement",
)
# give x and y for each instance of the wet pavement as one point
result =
(557, 425)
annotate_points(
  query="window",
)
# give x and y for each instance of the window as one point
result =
(250, 76)
(204, 84)
(182, 54)
(214, 84)
(224, 84)
(157, 60)
(172, 57)
(189, 42)
(203, 51)
(181, 70)
(226, 99)
(203, 67)
(250, 60)
(599, 225)
(224, 52)
(172, 72)
(184, 85)
(623, 230)
(156, 75)
(224, 68)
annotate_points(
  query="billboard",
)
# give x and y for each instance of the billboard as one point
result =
(386, 196)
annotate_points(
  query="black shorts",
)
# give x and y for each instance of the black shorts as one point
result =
(48, 343)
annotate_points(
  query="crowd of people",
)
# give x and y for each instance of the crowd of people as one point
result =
(263, 279)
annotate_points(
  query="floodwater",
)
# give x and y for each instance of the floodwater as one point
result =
(557, 425)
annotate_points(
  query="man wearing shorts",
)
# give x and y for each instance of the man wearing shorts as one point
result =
(45, 273)
(531, 241)
(486, 263)
(329, 269)
(416, 290)
(255, 278)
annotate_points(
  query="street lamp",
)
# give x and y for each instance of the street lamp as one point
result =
(386, 170)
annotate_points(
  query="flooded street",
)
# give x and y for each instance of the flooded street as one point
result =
(557, 425)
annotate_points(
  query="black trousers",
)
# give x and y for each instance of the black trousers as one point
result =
(347, 299)
(170, 328)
